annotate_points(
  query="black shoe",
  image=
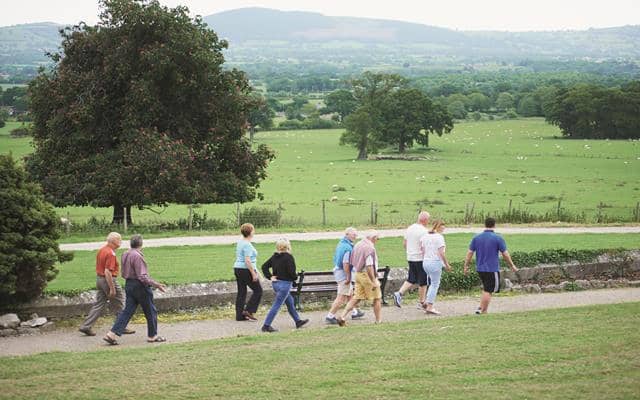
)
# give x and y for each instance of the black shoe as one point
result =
(268, 328)
(301, 323)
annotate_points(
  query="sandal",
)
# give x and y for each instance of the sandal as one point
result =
(157, 339)
(109, 340)
(433, 311)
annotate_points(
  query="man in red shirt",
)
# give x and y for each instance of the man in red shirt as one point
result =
(109, 291)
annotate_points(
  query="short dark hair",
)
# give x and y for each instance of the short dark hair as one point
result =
(136, 241)
(489, 223)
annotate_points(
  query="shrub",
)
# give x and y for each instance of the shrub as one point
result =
(29, 231)
(20, 132)
(261, 216)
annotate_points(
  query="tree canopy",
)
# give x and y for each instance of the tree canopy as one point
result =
(138, 111)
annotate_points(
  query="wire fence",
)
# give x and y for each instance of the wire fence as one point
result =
(327, 214)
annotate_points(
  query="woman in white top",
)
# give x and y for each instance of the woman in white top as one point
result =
(433, 259)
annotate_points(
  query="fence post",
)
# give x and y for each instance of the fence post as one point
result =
(599, 215)
(124, 209)
(637, 212)
(324, 213)
(67, 226)
(371, 214)
(509, 214)
(190, 221)
(375, 213)
(238, 214)
(559, 208)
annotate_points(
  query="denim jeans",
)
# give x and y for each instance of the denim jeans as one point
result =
(137, 293)
(282, 295)
(434, 272)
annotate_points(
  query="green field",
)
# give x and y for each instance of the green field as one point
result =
(572, 353)
(187, 264)
(484, 164)
(19, 147)
(6, 86)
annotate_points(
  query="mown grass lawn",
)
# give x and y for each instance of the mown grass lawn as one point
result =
(487, 164)
(573, 353)
(187, 264)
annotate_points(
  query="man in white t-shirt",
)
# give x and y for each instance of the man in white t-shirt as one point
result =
(417, 276)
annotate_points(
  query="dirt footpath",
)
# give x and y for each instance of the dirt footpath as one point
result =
(72, 340)
(306, 236)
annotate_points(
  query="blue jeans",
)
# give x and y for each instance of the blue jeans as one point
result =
(282, 295)
(434, 272)
(137, 293)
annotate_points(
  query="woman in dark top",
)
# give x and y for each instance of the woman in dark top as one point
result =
(280, 268)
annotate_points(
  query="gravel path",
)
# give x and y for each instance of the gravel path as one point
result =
(72, 340)
(306, 236)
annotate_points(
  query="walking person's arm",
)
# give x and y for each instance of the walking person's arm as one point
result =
(266, 270)
(467, 260)
(109, 279)
(441, 252)
(372, 275)
(142, 273)
(252, 271)
(507, 258)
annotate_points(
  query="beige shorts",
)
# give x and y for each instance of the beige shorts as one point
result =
(365, 289)
(344, 289)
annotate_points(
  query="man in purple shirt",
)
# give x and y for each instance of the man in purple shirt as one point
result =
(138, 289)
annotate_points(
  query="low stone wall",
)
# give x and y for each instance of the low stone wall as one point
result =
(223, 293)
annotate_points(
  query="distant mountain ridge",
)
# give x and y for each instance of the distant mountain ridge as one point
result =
(244, 27)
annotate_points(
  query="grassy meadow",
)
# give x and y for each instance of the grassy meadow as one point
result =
(485, 164)
(187, 264)
(584, 353)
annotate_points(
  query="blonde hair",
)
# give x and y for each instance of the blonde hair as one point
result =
(283, 245)
(436, 225)
(113, 236)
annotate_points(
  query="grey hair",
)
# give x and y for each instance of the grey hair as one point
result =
(113, 236)
(136, 241)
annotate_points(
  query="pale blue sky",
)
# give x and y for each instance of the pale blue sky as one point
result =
(514, 15)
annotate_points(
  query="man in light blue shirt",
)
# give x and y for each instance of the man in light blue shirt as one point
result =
(487, 245)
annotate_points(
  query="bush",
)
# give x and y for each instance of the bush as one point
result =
(476, 116)
(20, 132)
(290, 124)
(29, 231)
(261, 216)
(511, 114)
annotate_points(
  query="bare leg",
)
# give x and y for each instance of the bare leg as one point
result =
(337, 303)
(377, 310)
(352, 303)
(484, 302)
(422, 293)
(405, 287)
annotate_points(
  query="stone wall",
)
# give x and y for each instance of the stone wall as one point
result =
(222, 293)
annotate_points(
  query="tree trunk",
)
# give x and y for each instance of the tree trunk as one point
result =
(401, 147)
(426, 140)
(118, 215)
(252, 131)
(362, 153)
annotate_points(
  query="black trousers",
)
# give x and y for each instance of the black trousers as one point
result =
(243, 279)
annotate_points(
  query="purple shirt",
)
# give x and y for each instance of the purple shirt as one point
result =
(134, 267)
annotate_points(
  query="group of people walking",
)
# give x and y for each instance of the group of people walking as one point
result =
(355, 267)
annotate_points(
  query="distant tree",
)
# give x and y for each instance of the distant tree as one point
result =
(292, 112)
(457, 110)
(139, 111)
(596, 112)
(359, 132)
(29, 231)
(275, 104)
(476, 116)
(260, 116)
(505, 101)
(479, 102)
(341, 102)
(528, 106)
(458, 97)
(408, 115)
(4, 116)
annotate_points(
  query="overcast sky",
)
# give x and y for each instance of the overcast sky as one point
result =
(513, 15)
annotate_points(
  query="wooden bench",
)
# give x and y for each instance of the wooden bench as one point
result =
(323, 281)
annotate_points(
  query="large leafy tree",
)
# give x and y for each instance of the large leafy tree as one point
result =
(408, 115)
(139, 111)
(260, 116)
(28, 236)
(342, 102)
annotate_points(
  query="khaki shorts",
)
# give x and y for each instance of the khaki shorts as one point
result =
(365, 289)
(344, 289)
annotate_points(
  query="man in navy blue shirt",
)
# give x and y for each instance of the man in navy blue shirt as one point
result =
(487, 245)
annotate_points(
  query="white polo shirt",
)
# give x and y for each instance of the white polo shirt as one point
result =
(412, 236)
